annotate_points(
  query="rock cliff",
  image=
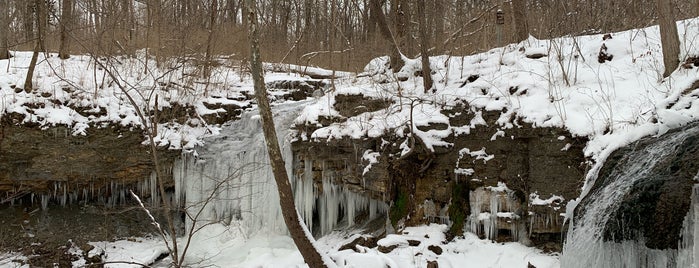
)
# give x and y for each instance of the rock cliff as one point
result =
(505, 184)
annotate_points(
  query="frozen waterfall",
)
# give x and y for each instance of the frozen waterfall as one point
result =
(230, 179)
(586, 245)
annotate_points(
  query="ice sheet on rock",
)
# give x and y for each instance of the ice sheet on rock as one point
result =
(231, 180)
(585, 245)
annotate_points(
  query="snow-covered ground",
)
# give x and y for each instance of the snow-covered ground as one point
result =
(613, 103)
(226, 246)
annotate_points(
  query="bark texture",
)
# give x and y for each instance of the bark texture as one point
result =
(377, 12)
(286, 199)
(668, 36)
(41, 22)
(424, 43)
(66, 24)
(520, 20)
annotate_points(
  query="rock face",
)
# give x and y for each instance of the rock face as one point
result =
(53, 162)
(508, 180)
(654, 208)
(56, 166)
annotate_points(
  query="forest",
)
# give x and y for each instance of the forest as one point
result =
(337, 34)
(545, 131)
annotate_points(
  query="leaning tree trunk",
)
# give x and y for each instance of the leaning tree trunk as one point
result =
(396, 59)
(426, 70)
(668, 36)
(41, 23)
(286, 199)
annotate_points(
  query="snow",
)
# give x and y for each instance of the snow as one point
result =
(13, 260)
(623, 95)
(478, 155)
(80, 94)
(227, 246)
(371, 158)
(535, 200)
(612, 104)
(137, 250)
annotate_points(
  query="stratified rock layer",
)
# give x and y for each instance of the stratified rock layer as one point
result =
(533, 163)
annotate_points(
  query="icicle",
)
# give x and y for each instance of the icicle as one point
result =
(476, 202)
(492, 232)
(44, 201)
(488, 204)
(64, 197)
(234, 171)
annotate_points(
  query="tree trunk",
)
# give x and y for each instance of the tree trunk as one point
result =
(41, 19)
(4, 25)
(439, 17)
(400, 24)
(286, 199)
(396, 58)
(42, 23)
(209, 40)
(426, 70)
(29, 21)
(520, 20)
(66, 24)
(668, 36)
(28, 85)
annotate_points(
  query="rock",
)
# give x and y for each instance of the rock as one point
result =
(691, 62)
(436, 249)
(535, 56)
(38, 161)
(526, 158)
(349, 105)
(413, 243)
(603, 55)
(432, 264)
(387, 249)
(369, 242)
(297, 89)
(529, 265)
(655, 207)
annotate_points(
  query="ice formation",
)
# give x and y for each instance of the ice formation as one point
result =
(231, 179)
(65, 193)
(489, 206)
(332, 203)
(585, 245)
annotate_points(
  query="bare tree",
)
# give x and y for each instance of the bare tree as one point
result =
(668, 36)
(286, 198)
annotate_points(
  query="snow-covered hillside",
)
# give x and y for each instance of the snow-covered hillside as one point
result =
(558, 82)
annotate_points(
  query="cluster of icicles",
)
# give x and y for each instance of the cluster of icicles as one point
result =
(231, 180)
(111, 194)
